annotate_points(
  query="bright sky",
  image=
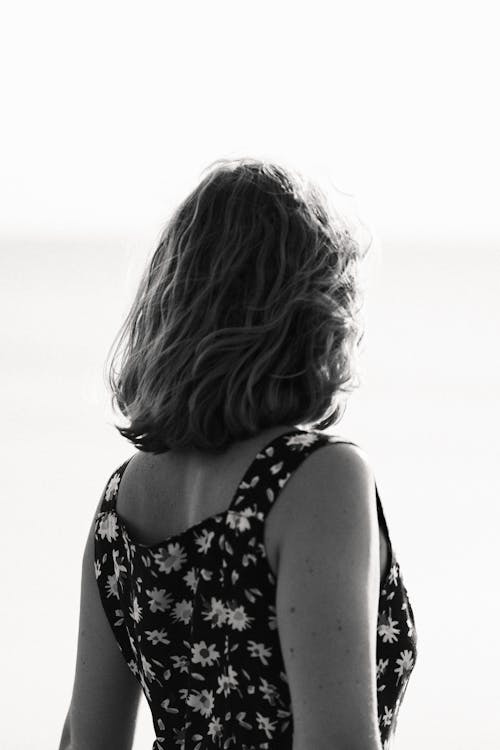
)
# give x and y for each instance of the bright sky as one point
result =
(110, 111)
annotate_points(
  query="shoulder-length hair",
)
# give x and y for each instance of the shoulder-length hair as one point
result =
(246, 317)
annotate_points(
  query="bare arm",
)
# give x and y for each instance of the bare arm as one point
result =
(327, 602)
(105, 698)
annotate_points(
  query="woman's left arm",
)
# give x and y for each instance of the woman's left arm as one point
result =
(105, 699)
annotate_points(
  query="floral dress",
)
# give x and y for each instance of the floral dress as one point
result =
(195, 619)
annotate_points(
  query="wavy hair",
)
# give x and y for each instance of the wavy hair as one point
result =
(246, 317)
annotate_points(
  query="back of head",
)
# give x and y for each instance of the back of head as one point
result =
(246, 317)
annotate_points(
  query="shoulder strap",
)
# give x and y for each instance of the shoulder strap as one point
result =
(383, 523)
(274, 465)
(111, 489)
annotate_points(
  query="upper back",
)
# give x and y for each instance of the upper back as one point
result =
(163, 495)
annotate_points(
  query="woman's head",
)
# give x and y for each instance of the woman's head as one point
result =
(246, 317)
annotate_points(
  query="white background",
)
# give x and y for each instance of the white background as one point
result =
(110, 111)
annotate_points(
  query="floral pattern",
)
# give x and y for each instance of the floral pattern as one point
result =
(195, 619)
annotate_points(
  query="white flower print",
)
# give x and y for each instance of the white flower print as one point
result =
(304, 441)
(227, 681)
(248, 485)
(203, 654)
(159, 599)
(146, 668)
(135, 610)
(118, 565)
(97, 568)
(238, 618)
(132, 665)
(201, 701)
(276, 468)
(215, 729)
(387, 629)
(240, 520)
(263, 722)
(393, 575)
(232, 676)
(169, 709)
(240, 718)
(409, 624)
(108, 527)
(112, 486)
(270, 692)
(131, 642)
(382, 666)
(191, 579)
(181, 663)
(204, 541)
(247, 559)
(259, 650)
(183, 611)
(157, 636)
(224, 685)
(405, 663)
(217, 613)
(112, 586)
(387, 716)
(234, 576)
(171, 558)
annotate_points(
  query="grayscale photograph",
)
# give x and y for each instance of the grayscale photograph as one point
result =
(249, 285)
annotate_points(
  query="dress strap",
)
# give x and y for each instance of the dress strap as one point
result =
(383, 523)
(274, 465)
(272, 468)
(111, 490)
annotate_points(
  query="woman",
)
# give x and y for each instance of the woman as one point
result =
(240, 561)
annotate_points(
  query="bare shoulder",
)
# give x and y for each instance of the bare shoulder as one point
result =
(327, 598)
(334, 484)
(342, 462)
(143, 474)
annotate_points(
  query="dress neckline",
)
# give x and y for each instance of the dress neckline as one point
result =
(209, 521)
(216, 518)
